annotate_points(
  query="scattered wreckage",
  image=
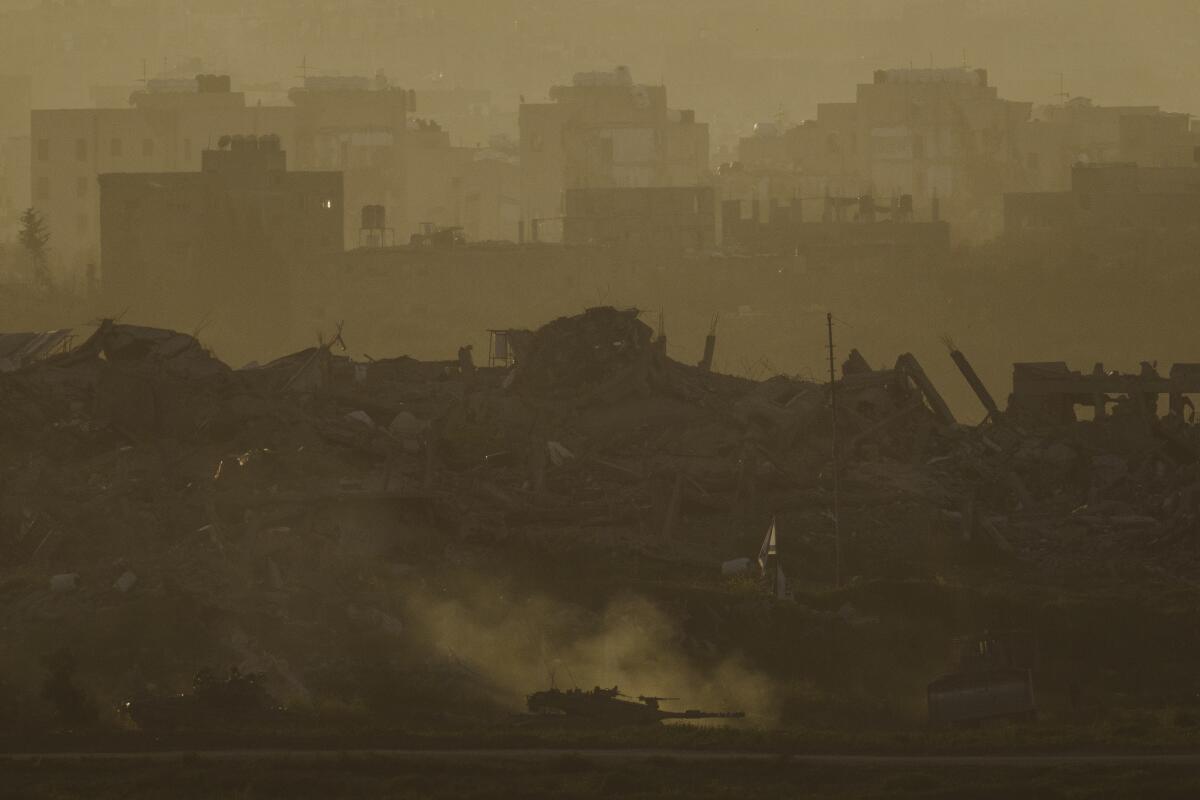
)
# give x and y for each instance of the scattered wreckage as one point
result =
(138, 465)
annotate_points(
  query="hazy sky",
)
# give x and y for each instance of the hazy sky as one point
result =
(733, 61)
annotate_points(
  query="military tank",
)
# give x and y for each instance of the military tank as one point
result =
(609, 707)
(240, 697)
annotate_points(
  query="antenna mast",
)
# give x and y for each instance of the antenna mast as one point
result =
(1062, 95)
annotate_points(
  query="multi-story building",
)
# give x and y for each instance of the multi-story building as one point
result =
(15, 101)
(360, 127)
(164, 129)
(226, 240)
(368, 129)
(1111, 203)
(470, 115)
(604, 131)
(1079, 131)
(490, 197)
(928, 133)
(946, 134)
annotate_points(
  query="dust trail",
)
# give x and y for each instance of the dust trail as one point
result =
(518, 644)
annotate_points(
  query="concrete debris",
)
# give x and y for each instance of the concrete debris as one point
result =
(125, 582)
(559, 455)
(361, 417)
(736, 566)
(251, 491)
(405, 425)
(18, 350)
(65, 582)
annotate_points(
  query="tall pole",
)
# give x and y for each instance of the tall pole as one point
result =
(837, 516)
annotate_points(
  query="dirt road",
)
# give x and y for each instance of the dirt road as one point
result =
(617, 756)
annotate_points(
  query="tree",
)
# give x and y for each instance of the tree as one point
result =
(35, 238)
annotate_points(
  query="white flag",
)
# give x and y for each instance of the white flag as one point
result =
(768, 546)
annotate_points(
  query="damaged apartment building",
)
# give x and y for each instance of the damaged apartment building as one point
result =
(598, 157)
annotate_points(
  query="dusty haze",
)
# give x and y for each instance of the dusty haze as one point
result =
(733, 63)
(385, 363)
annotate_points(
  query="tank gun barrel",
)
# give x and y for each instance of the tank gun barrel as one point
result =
(694, 714)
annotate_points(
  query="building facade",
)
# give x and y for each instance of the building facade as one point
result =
(165, 129)
(1079, 131)
(1116, 203)
(230, 238)
(362, 128)
(661, 217)
(604, 131)
(16, 99)
(941, 134)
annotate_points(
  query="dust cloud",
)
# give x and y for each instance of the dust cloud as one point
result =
(520, 645)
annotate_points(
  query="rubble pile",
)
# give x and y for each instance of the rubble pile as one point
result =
(575, 354)
(266, 516)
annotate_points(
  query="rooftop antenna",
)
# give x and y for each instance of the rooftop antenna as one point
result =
(1062, 94)
(837, 517)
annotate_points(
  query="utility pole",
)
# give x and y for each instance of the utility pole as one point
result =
(837, 517)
